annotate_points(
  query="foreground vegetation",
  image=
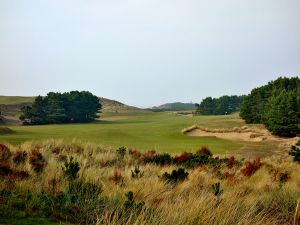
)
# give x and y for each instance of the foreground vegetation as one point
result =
(83, 183)
(142, 130)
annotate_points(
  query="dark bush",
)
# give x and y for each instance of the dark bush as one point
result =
(5, 169)
(37, 161)
(80, 204)
(175, 176)
(295, 152)
(20, 157)
(217, 162)
(220, 175)
(204, 151)
(216, 189)
(159, 159)
(137, 173)
(71, 169)
(196, 160)
(121, 152)
(82, 190)
(251, 167)
(131, 205)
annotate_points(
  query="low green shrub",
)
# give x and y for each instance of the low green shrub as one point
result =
(130, 205)
(158, 159)
(216, 189)
(121, 152)
(137, 173)
(71, 169)
(295, 152)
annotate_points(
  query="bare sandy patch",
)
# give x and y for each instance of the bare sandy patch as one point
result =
(256, 134)
(245, 136)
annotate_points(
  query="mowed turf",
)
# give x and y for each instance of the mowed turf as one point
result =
(142, 130)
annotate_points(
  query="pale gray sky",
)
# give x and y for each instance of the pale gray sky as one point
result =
(147, 52)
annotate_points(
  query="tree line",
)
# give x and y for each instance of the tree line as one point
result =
(219, 106)
(68, 107)
(277, 105)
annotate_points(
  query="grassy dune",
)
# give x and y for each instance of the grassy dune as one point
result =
(267, 196)
(141, 130)
(13, 100)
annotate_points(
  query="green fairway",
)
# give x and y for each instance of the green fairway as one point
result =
(143, 130)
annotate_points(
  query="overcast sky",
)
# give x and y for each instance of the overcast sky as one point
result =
(147, 52)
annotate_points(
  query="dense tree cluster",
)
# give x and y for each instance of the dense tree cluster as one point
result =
(277, 105)
(69, 107)
(219, 106)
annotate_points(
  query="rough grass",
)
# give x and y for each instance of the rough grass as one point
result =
(5, 130)
(145, 131)
(262, 198)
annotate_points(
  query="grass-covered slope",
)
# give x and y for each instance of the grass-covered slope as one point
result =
(109, 105)
(13, 100)
(176, 106)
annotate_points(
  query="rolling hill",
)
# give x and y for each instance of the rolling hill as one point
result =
(176, 106)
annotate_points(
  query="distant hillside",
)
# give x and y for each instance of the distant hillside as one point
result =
(10, 107)
(109, 105)
(13, 100)
(176, 106)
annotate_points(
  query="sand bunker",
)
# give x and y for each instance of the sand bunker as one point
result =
(238, 133)
(245, 136)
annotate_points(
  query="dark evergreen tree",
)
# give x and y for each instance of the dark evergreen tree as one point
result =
(68, 107)
(219, 106)
(277, 105)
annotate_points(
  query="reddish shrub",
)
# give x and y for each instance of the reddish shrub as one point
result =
(228, 175)
(135, 154)
(5, 153)
(19, 157)
(204, 151)
(37, 161)
(116, 177)
(52, 187)
(182, 158)
(251, 167)
(280, 176)
(230, 162)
